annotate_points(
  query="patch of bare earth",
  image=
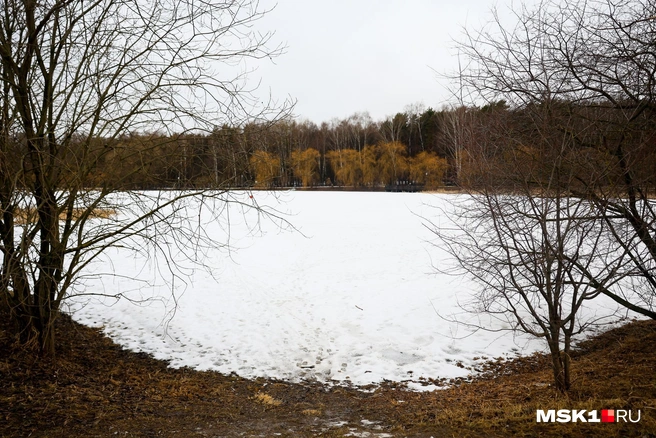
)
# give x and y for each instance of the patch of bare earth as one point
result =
(95, 388)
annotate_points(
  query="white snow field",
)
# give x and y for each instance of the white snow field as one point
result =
(352, 296)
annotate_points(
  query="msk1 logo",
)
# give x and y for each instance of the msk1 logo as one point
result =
(574, 415)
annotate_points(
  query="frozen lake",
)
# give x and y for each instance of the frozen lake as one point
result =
(351, 296)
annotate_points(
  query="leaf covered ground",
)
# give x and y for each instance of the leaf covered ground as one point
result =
(95, 388)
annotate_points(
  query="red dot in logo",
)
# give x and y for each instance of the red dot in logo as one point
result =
(608, 415)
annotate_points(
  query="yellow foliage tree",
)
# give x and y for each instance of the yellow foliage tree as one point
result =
(392, 162)
(347, 166)
(266, 167)
(368, 158)
(428, 169)
(305, 165)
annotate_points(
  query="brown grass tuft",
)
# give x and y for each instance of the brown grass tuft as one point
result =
(24, 215)
(267, 399)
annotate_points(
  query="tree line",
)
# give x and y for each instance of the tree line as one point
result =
(466, 146)
(427, 147)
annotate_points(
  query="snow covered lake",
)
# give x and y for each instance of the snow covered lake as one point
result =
(351, 296)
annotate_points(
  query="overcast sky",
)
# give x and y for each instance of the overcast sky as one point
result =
(347, 56)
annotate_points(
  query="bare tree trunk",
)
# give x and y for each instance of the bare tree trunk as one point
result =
(557, 367)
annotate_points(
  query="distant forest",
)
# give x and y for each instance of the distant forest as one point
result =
(452, 147)
(422, 147)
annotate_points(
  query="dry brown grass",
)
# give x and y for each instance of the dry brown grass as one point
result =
(95, 388)
(266, 399)
(24, 215)
(613, 371)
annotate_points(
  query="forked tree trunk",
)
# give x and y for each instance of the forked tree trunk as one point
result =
(560, 365)
(36, 327)
(35, 306)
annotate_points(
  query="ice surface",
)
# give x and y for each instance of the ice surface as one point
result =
(351, 296)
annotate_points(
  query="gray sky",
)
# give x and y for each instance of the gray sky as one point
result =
(365, 55)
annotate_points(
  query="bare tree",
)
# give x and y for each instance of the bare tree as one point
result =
(76, 78)
(413, 113)
(596, 58)
(532, 246)
(457, 128)
(521, 250)
(560, 209)
(390, 129)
